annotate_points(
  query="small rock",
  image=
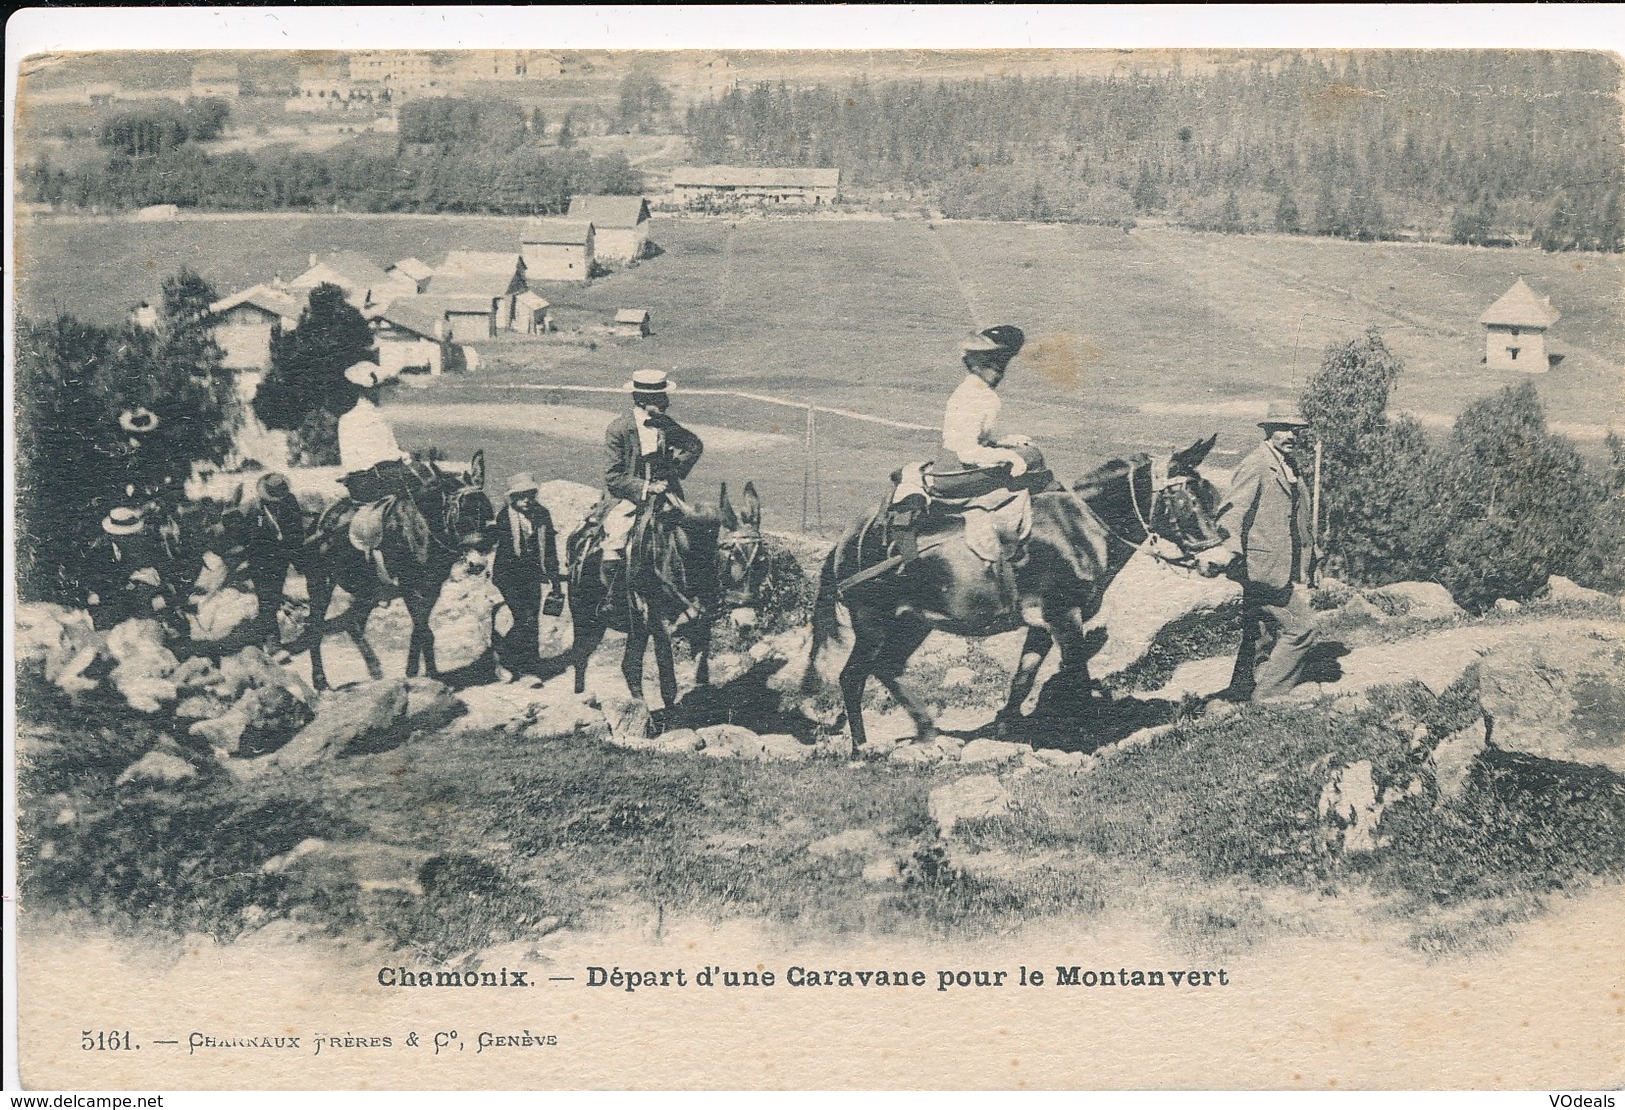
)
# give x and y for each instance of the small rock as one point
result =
(159, 767)
(764, 649)
(223, 733)
(743, 617)
(199, 707)
(305, 847)
(882, 871)
(975, 797)
(918, 755)
(1415, 600)
(1357, 611)
(1057, 758)
(993, 751)
(1507, 605)
(858, 842)
(734, 742)
(566, 718)
(958, 677)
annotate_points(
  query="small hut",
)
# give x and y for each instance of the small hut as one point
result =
(1516, 330)
(631, 322)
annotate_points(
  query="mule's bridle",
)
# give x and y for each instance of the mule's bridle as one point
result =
(1161, 483)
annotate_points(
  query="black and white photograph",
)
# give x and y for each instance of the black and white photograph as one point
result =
(588, 567)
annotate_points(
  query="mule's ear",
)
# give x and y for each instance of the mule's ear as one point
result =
(730, 520)
(753, 506)
(1192, 456)
(476, 469)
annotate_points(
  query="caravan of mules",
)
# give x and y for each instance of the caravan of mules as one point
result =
(981, 541)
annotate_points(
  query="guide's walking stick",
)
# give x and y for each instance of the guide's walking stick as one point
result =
(1314, 523)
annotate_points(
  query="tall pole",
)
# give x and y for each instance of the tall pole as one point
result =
(1314, 518)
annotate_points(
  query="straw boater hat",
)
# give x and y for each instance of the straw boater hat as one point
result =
(521, 483)
(1003, 339)
(273, 487)
(1283, 414)
(123, 520)
(650, 383)
(138, 420)
(363, 375)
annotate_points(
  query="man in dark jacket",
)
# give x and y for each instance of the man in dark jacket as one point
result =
(1271, 549)
(525, 555)
(647, 455)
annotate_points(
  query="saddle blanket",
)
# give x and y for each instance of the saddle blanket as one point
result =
(997, 523)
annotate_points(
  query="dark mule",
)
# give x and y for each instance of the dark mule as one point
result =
(422, 540)
(686, 565)
(1080, 540)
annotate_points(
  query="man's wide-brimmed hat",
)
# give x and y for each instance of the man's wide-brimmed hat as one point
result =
(521, 483)
(123, 520)
(1283, 414)
(651, 382)
(273, 487)
(138, 420)
(1005, 339)
(362, 374)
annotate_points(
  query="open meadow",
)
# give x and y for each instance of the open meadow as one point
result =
(1137, 340)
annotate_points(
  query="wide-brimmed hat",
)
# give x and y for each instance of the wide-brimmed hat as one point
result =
(1283, 414)
(1005, 339)
(273, 487)
(139, 419)
(521, 483)
(362, 374)
(650, 382)
(123, 520)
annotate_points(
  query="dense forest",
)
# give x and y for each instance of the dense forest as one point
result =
(1477, 146)
(451, 156)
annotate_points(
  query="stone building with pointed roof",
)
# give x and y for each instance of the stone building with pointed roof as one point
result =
(1515, 329)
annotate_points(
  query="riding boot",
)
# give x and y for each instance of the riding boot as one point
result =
(612, 572)
(383, 571)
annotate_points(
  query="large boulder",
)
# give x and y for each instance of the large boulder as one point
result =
(993, 751)
(1453, 759)
(59, 643)
(1420, 601)
(506, 706)
(145, 670)
(974, 798)
(463, 621)
(1558, 696)
(1144, 598)
(263, 719)
(222, 613)
(345, 717)
(1564, 591)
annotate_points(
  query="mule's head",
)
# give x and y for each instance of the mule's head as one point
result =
(744, 566)
(1167, 498)
(468, 509)
(1183, 503)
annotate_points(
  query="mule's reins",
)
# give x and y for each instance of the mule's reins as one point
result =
(1161, 482)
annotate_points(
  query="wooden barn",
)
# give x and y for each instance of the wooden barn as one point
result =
(631, 322)
(413, 269)
(245, 322)
(366, 285)
(755, 186)
(620, 225)
(558, 249)
(496, 277)
(1515, 330)
(465, 317)
(530, 313)
(410, 336)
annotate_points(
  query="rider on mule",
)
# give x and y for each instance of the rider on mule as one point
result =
(376, 467)
(648, 454)
(979, 472)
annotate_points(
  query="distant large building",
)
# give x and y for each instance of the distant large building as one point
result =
(620, 225)
(766, 187)
(558, 249)
(1515, 328)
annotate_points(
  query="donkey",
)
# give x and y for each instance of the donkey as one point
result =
(1080, 539)
(685, 565)
(426, 531)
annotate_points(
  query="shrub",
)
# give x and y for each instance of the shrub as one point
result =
(306, 378)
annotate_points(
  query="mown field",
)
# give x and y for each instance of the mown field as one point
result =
(1138, 340)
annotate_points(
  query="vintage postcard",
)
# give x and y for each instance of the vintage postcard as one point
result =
(546, 565)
